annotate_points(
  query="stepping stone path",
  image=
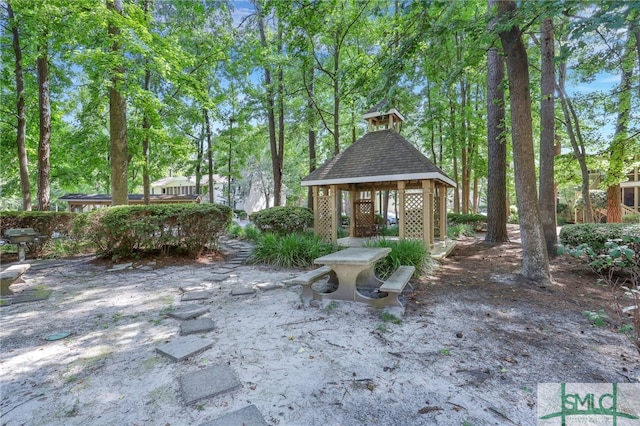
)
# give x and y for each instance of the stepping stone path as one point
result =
(188, 313)
(200, 325)
(217, 379)
(247, 416)
(195, 295)
(211, 381)
(184, 347)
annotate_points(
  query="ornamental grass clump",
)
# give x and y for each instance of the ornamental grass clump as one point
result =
(297, 250)
(403, 252)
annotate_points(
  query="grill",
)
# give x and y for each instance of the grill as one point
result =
(20, 237)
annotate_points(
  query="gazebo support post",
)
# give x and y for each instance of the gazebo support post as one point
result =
(316, 211)
(401, 211)
(442, 193)
(427, 213)
(353, 197)
(333, 192)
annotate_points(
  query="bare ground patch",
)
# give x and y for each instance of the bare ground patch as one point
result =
(472, 347)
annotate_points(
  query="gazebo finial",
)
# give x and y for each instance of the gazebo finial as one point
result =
(380, 118)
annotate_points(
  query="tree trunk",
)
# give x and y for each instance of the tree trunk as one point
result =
(146, 124)
(199, 160)
(535, 262)
(454, 154)
(464, 160)
(44, 141)
(277, 179)
(119, 150)
(205, 112)
(617, 159)
(312, 132)
(271, 116)
(547, 194)
(575, 137)
(497, 212)
(21, 134)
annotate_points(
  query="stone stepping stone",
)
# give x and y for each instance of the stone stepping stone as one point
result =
(184, 347)
(120, 267)
(29, 295)
(200, 325)
(222, 270)
(243, 291)
(188, 313)
(268, 286)
(211, 381)
(195, 295)
(231, 266)
(218, 276)
(246, 416)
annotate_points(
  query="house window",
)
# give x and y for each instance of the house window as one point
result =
(627, 197)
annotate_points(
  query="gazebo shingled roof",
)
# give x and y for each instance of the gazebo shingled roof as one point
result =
(383, 155)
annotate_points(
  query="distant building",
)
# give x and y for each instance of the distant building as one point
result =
(631, 192)
(86, 202)
(186, 185)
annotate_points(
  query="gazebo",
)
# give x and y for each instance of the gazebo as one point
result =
(381, 160)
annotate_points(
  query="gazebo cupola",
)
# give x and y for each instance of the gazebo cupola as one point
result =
(381, 160)
(377, 118)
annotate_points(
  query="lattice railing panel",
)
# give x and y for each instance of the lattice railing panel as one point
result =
(365, 218)
(325, 217)
(413, 215)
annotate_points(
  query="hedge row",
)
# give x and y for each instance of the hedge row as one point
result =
(458, 218)
(595, 235)
(121, 231)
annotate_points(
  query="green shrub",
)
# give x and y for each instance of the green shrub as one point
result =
(455, 218)
(45, 223)
(283, 220)
(241, 214)
(464, 229)
(561, 208)
(390, 231)
(297, 250)
(251, 232)
(595, 235)
(514, 217)
(403, 252)
(123, 230)
(342, 233)
(631, 218)
(235, 231)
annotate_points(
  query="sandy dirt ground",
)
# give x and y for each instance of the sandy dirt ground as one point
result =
(473, 345)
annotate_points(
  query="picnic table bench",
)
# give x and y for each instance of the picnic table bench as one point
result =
(308, 278)
(10, 276)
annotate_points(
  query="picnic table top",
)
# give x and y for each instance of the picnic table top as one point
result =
(354, 256)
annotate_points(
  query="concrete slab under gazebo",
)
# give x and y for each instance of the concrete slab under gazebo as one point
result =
(381, 160)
